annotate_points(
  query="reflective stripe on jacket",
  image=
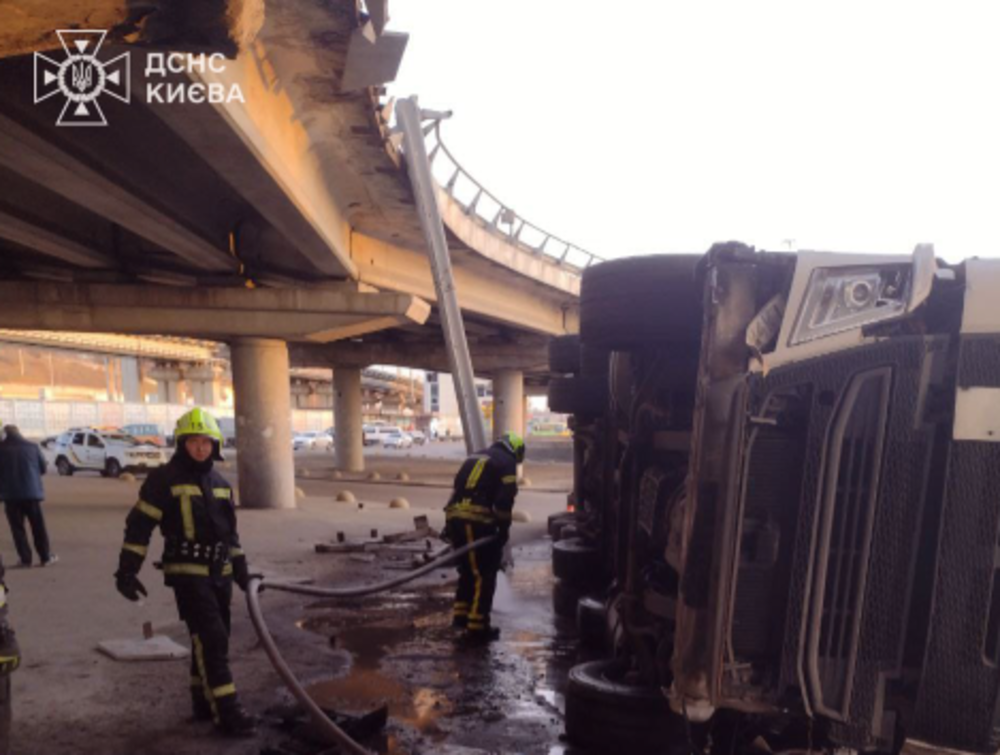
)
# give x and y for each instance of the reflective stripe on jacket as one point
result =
(197, 516)
(485, 488)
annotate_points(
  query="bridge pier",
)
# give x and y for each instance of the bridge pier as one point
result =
(508, 402)
(262, 389)
(349, 443)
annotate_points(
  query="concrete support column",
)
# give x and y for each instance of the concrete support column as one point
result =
(347, 422)
(261, 385)
(508, 402)
(131, 380)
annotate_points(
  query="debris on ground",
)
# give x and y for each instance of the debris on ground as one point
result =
(156, 648)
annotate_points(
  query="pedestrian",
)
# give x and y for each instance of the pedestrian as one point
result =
(22, 465)
(193, 506)
(481, 505)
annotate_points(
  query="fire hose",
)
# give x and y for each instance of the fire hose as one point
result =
(329, 729)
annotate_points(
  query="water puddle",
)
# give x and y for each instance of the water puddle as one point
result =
(438, 690)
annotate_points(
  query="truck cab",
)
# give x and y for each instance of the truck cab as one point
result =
(787, 469)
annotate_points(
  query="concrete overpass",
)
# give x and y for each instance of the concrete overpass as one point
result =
(282, 216)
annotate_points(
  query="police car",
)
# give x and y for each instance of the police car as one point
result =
(109, 452)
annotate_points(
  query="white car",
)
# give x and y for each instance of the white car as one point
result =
(314, 440)
(397, 439)
(418, 437)
(375, 434)
(109, 453)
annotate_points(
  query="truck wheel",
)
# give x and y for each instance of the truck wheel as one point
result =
(112, 469)
(578, 395)
(564, 355)
(564, 599)
(592, 623)
(594, 361)
(606, 714)
(64, 467)
(557, 521)
(576, 561)
(641, 301)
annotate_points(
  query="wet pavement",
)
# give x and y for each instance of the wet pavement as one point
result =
(440, 692)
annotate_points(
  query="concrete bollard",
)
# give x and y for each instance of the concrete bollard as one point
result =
(374, 477)
(524, 482)
(337, 475)
(346, 496)
(403, 477)
(300, 493)
(126, 477)
(305, 473)
(399, 503)
(521, 517)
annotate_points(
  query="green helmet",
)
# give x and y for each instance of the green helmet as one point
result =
(199, 422)
(513, 443)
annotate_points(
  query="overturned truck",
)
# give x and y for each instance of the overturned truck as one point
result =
(787, 502)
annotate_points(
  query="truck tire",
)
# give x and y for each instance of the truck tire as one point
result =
(576, 561)
(564, 599)
(578, 395)
(564, 355)
(112, 469)
(634, 302)
(592, 623)
(594, 361)
(64, 467)
(605, 714)
(557, 521)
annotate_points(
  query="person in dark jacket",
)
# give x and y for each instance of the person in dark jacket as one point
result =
(21, 468)
(193, 506)
(481, 505)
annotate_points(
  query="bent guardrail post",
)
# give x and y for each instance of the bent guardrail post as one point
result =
(409, 116)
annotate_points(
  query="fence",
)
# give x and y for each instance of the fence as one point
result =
(41, 419)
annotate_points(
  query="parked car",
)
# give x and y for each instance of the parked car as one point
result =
(396, 438)
(418, 437)
(109, 453)
(146, 433)
(312, 441)
(227, 426)
(786, 498)
(374, 434)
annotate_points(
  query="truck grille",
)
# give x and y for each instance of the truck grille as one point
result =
(847, 519)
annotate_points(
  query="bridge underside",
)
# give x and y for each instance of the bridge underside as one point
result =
(279, 218)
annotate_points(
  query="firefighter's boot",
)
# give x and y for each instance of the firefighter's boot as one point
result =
(482, 636)
(234, 720)
(200, 709)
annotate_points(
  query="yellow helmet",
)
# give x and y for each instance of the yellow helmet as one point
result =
(199, 422)
(514, 444)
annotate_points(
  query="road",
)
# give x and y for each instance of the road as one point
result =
(397, 648)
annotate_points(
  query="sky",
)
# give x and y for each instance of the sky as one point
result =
(659, 126)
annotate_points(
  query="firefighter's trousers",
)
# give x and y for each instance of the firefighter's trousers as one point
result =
(203, 604)
(477, 574)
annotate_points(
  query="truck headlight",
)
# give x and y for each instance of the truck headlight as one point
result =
(843, 298)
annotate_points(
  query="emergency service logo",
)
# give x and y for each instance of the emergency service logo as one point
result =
(82, 78)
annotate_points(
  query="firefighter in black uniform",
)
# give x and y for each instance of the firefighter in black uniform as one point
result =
(193, 506)
(481, 505)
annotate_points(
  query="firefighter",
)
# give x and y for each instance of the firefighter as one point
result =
(193, 506)
(481, 505)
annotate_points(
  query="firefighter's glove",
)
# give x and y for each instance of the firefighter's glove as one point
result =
(241, 573)
(128, 585)
(507, 559)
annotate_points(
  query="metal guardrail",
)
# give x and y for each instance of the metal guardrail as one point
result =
(499, 218)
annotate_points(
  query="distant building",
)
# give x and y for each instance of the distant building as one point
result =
(441, 404)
